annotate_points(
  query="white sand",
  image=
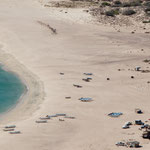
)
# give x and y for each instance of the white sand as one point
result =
(38, 56)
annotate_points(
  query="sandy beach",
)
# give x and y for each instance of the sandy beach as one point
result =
(38, 56)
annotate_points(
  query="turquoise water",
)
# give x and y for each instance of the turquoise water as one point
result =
(11, 89)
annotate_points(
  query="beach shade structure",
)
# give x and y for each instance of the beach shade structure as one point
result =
(115, 114)
(88, 74)
(11, 126)
(41, 121)
(85, 99)
(61, 114)
(15, 132)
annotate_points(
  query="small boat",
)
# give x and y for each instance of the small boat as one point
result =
(69, 117)
(11, 126)
(41, 121)
(10, 129)
(61, 120)
(87, 80)
(51, 116)
(61, 73)
(60, 114)
(115, 114)
(44, 118)
(88, 74)
(86, 99)
(76, 85)
(68, 97)
(15, 132)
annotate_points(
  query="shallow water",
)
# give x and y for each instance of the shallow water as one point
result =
(11, 89)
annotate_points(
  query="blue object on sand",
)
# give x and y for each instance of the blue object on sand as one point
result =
(88, 74)
(114, 114)
(85, 99)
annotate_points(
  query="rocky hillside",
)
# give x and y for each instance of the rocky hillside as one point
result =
(123, 12)
(115, 12)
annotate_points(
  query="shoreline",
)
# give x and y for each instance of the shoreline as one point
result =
(18, 101)
(29, 81)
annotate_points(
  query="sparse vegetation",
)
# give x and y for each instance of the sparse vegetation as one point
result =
(117, 2)
(102, 9)
(105, 4)
(147, 11)
(146, 60)
(132, 4)
(128, 12)
(136, 3)
(126, 4)
(146, 21)
(147, 4)
(71, 4)
(112, 12)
